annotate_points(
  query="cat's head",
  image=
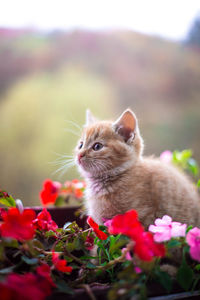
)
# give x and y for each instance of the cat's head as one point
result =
(108, 148)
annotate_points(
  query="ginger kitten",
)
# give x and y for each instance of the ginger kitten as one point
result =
(119, 178)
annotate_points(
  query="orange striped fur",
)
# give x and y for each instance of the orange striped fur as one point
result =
(119, 178)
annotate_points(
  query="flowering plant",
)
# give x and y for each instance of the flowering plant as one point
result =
(55, 193)
(39, 260)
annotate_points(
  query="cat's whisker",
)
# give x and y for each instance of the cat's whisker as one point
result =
(64, 168)
(72, 131)
(75, 124)
(65, 156)
(97, 166)
(62, 161)
(62, 155)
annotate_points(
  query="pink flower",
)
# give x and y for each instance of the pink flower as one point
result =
(107, 222)
(164, 229)
(166, 156)
(128, 254)
(128, 224)
(193, 239)
(130, 258)
(137, 270)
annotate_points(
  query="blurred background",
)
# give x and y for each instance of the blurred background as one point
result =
(58, 58)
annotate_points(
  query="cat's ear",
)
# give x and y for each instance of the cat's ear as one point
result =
(126, 125)
(90, 119)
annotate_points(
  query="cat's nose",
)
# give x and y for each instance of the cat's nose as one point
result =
(80, 156)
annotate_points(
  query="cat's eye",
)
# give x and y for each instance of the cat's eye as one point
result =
(97, 146)
(80, 145)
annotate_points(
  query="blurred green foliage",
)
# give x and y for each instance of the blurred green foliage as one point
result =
(184, 160)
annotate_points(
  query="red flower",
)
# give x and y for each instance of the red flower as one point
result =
(4, 194)
(44, 275)
(18, 225)
(50, 192)
(28, 286)
(60, 264)
(2, 212)
(99, 233)
(89, 243)
(128, 224)
(146, 248)
(44, 221)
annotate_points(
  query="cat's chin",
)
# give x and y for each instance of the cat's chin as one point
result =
(87, 173)
(83, 171)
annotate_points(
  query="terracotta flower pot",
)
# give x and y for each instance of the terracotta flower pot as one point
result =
(62, 215)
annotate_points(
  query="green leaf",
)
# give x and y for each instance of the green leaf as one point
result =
(8, 201)
(193, 166)
(2, 253)
(186, 154)
(67, 225)
(173, 243)
(78, 243)
(88, 257)
(102, 227)
(185, 276)
(165, 280)
(59, 247)
(70, 247)
(68, 259)
(50, 233)
(36, 243)
(114, 239)
(11, 243)
(186, 249)
(63, 287)
(198, 184)
(90, 265)
(189, 228)
(29, 261)
(7, 270)
(59, 201)
(197, 267)
(118, 244)
(195, 283)
(116, 254)
(181, 158)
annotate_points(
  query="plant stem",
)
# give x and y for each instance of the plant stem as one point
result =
(88, 291)
(73, 257)
(119, 259)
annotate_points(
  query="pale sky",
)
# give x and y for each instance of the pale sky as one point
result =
(166, 18)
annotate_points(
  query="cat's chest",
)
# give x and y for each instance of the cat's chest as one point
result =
(105, 204)
(101, 208)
